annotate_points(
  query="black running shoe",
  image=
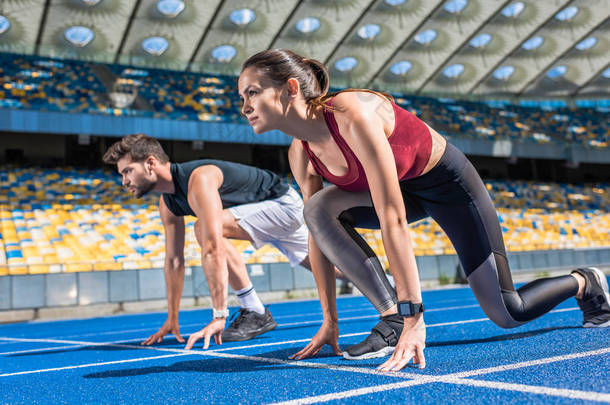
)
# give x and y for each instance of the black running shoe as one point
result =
(595, 302)
(381, 342)
(248, 325)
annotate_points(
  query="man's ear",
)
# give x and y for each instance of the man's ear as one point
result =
(150, 162)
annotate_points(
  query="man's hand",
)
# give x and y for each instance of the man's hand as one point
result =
(214, 328)
(327, 335)
(170, 326)
(410, 346)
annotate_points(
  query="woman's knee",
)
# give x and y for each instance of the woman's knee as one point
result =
(319, 208)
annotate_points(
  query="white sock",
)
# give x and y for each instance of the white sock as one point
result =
(249, 300)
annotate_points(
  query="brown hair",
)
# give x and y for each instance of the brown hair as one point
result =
(279, 65)
(138, 147)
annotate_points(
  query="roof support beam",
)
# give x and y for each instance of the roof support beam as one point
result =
(132, 17)
(458, 49)
(544, 70)
(43, 20)
(279, 32)
(585, 84)
(405, 42)
(364, 12)
(205, 34)
(508, 54)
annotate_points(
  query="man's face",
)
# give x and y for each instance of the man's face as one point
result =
(138, 177)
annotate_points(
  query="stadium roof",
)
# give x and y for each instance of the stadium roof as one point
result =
(537, 48)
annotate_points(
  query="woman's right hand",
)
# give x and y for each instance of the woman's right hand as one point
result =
(410, 346)
(327, 335)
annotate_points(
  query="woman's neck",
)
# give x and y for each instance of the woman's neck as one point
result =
(306, 124)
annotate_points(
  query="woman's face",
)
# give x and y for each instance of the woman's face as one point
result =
(262, 104)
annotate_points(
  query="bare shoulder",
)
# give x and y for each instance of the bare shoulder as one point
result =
(296, 148)
(363, 105)
(362, 109)
(359, 101)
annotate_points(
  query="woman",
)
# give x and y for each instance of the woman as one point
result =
(389, 168)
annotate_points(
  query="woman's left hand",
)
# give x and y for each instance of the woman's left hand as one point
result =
(410, 346)
(327, 335)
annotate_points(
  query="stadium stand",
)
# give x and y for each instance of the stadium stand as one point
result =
(28, 82)
(69, 220)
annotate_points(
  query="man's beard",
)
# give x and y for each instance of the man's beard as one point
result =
(145, 189)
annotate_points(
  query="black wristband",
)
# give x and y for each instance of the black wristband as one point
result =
(408, 308)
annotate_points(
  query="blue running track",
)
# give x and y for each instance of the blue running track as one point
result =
(470, 360)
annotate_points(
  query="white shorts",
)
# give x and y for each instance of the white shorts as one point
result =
(278, 222)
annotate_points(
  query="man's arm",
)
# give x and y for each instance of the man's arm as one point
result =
(204, 199)
(174, 272)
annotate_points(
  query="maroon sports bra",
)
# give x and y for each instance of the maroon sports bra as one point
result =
(411, 143)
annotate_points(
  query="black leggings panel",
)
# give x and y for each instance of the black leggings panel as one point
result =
(454, 195)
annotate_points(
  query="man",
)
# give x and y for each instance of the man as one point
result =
(230, 200)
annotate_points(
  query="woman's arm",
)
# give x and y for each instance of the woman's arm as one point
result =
(362, 125)
(322, 269)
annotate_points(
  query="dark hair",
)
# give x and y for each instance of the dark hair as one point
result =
(279, 65)
(138, 147)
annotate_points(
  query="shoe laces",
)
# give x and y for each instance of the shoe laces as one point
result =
(238, 318)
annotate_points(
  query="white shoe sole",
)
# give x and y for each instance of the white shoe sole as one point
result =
(601, 277)
(371, 355)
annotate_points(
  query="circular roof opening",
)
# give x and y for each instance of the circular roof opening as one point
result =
(480, 40)
(79, 36)
(606, 73)
(513, 10)
(587, 43)
(394, 3)
(567, 13)
(5, 24)
(170, 8)
(425, 37)
(455, 6)
(90, 3)
(369, 31)
(224, 53)
(242, 17)
(504, 72)
(533, 43)
(401, 68)
(346, 64)
(155, 45)
(557, 71)
(453, 71)
(308, 25)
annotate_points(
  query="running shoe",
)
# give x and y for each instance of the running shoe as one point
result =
(381, 342)
(247, 325)
(595, 302)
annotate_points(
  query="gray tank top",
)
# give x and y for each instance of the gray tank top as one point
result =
(241, 185)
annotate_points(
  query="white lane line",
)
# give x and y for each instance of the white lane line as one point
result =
(373, 316)
(348, 394)
(455, 379)
(78, 344)
(72, 345)
(93, 364)
(535, 389)
(201, 324)
(530, 363)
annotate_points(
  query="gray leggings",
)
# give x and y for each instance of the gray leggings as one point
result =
(453, 194)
